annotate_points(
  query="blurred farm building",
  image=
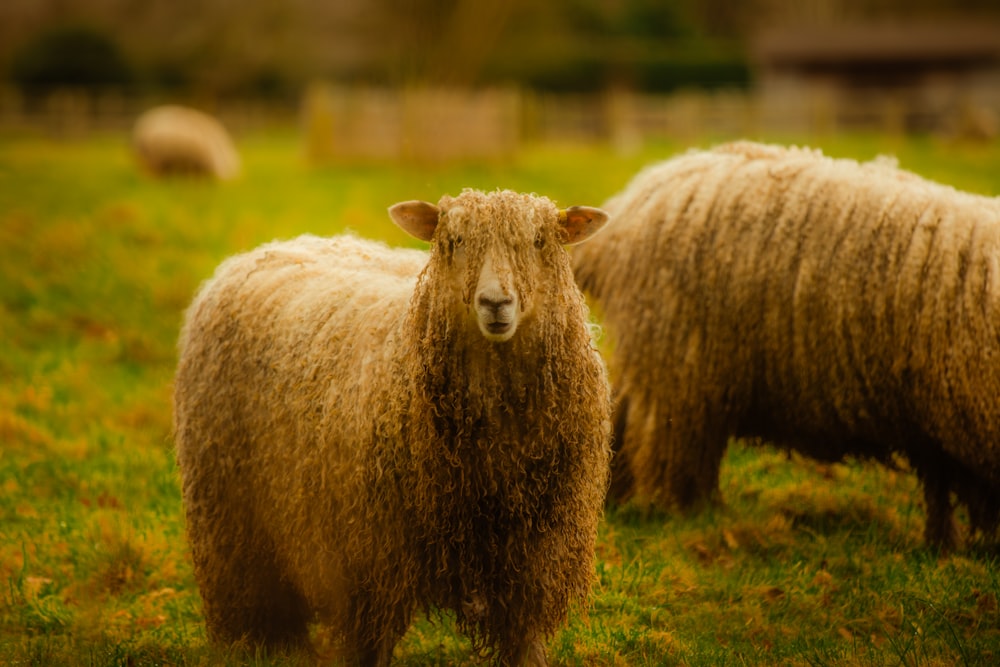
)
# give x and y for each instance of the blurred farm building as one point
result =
(910, 76)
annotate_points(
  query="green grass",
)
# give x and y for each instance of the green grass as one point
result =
(806, 564)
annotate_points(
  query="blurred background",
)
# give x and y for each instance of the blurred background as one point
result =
(439, 79)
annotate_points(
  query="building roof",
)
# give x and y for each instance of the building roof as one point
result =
(960, 42)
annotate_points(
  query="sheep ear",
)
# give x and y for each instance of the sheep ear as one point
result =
(417, 218)
(579, 223)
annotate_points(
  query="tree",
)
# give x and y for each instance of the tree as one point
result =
(70, 55)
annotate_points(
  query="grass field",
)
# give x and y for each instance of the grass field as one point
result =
(806, 564)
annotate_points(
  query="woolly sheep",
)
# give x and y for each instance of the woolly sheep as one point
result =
(833, 307)
(171, 140)
(362, 432)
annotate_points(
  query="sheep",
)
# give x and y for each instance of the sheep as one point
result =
(834, 308)
(365, 432)
(175, 140)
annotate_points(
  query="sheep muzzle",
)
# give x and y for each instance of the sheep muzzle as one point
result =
(496, 306)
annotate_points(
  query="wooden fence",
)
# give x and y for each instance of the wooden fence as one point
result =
(417, 124)
(426, 125)
(76, 112)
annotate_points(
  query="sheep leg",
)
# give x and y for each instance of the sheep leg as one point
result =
(246, 598)
(674, 457)
(530, 653)
(939, 530)
(375, 653)
(372, 633)
(271, 615)
(982, 502)
(693, 472)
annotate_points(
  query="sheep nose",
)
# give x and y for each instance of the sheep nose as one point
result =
(494, 303)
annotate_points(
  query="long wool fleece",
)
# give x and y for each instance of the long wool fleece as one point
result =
(835, 307)
(353, 449)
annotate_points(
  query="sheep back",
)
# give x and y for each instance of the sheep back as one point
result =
(834, 307)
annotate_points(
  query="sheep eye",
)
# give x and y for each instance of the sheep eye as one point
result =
(455, 247)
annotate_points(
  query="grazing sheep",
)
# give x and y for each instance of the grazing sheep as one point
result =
(832, 307)
(363, 432)
(173, 140)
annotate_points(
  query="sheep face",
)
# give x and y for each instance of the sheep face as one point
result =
(495, 250)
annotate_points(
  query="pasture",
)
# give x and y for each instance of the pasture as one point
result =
(805, 564)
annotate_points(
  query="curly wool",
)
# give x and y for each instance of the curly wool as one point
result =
(353, 449)
(834, 307)
(174, 140)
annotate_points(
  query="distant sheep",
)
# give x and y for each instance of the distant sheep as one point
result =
(832, 307)
(364, 432)
(174, 140)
